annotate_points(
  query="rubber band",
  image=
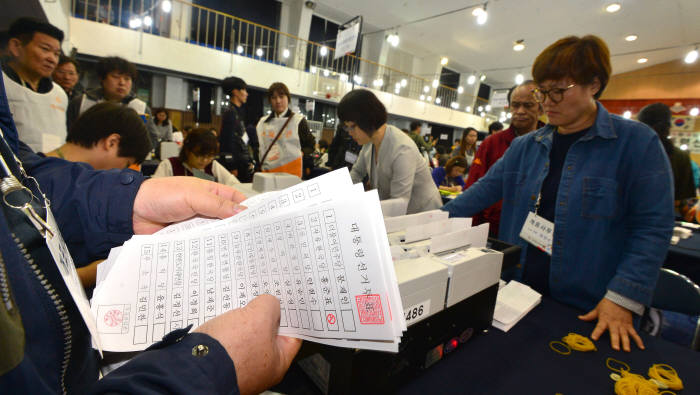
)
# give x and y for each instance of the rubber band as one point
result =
(579, 343)
(623, 366)
(553, 342)
(634, 384)
(666, 375)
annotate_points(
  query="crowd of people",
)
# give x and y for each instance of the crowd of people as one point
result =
(610, 220)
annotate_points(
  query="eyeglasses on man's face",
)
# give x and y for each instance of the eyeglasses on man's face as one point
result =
(555, 94)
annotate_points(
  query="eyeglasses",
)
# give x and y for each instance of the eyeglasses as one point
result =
(555, 94)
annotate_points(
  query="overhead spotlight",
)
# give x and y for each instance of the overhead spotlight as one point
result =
(166, 6)
(480, 108)
(397, 91)
(454, 105)
(239, 49)
(471, 79)
(285, 53)
(691, 56)
(357, 79)
(642, 60)
(147, 21)
(482, 78)
(404, 83)
(188, 106)
(519, 78)
(228, 97)
(422, 97)
(627, 114)
(259, 52)
(312, 69)
(503, 114)
(460, 90)
(430, 98)
(613, 7)
(397, 86)
(326, 73)
(438, 100)
(694, 112)
(483, 114)
(509, 115)
(481, 14)
(519, 45)
(426, 89)
(393, 39)
(468, 109)
(631, 37)
(343, 77)
(211, 102)
(378, 82)
(684, 147)
(487, 108)
(135, 23)
(444, 60)
(436, 83)
(323, 51)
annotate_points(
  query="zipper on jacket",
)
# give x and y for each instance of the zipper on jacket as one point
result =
(5, 287)
(60, 309)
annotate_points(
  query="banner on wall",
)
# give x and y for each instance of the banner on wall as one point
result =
(686, 139)
(682, 123)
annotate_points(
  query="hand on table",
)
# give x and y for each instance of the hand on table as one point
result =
(249, 335)
(617, 320)
(161, 201)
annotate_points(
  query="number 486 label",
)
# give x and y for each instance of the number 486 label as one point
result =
(417, 312)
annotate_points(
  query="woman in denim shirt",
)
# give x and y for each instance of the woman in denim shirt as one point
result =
(612, 218)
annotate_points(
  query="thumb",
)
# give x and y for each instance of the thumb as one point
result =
(205, 203)
(288, 348)
(590, 316)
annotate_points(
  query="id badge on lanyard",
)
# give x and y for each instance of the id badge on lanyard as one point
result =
(49, 230)
(538, 231)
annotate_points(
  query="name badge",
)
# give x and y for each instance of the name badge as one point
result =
(350, 157)
(61, 255)
(539, 232)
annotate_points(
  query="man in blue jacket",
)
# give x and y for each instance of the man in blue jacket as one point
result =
(44, 343)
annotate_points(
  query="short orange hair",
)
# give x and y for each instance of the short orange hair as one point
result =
(580, 58)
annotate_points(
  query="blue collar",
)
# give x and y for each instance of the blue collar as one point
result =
(602, 127)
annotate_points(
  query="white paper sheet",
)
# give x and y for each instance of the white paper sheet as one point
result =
(328, 263)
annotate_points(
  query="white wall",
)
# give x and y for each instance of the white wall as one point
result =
(170, 54)
(57, 11)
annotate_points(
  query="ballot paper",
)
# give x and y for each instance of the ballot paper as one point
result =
(320, 247)
(513, 302)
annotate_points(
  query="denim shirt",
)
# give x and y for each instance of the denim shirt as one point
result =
(614, 208)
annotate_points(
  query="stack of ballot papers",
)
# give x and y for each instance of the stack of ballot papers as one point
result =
(320, 247)
(514, 301)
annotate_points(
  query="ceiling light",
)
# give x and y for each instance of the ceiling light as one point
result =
(519, 45)
(613, 7)
(436, 83)
(239, 49)
(135, 23)
(483, 114)
(471, 79)
(404, 83)
(430, 98)
(396, 91)
(285, 53)
(378, 82)
(460, 90)
(519, 78)
(343, 77)
(444, 61)
(691, 56)
(627, 114)
(454, 105)
(684, 147)
(326, 73)
(211, 102)
(642, 60)
(426, 89)
(422, 97)
(259, 52)
(694, 112)
(397, 85)
(468, 109)
(147, 21)
(188, 106)
(357, 79)
(488, 107)
(312, 69)
(166, 6)
(509, 115)
(480, 109)
(482, 78)
(481, 14)
(631, 37)
(437, 100)
(393, 39)
(323, 51)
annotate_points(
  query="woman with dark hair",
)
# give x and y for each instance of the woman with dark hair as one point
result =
(451, 177)
(286, 144)
(588, 197)
(196, 159)
(389, 158)
(467, 147)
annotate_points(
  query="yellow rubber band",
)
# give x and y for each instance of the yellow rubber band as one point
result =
(553, 342)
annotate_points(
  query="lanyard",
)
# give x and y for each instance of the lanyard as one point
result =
(18, 196)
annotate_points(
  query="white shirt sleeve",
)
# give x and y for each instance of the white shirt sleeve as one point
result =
(165, 169)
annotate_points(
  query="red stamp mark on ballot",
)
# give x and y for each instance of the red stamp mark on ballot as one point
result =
(113, 318)
(330, 318)
(369, 308)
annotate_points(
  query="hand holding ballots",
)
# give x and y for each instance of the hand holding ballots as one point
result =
(320, 247)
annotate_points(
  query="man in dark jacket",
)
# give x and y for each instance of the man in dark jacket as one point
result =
(234, 150)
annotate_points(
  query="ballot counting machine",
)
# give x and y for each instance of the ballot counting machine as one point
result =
(448, 281)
